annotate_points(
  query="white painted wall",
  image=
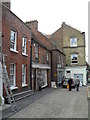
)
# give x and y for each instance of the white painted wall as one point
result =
(77, 70)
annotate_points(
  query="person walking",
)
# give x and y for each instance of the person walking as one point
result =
(77, 83)
(70, 83)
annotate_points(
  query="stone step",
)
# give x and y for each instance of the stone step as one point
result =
(22, 95)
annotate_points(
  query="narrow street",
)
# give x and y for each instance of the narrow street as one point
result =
(58, 104)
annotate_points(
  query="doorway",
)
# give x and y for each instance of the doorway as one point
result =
(34, 74)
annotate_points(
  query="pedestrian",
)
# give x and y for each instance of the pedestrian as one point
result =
(63, 79)
(70, 84)
(77, 83)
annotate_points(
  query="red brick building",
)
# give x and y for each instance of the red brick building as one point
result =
(41, 57)
(56, 58)
(16, 46)
(33, 60)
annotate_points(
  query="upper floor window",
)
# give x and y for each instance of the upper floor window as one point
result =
(59, 60)
(47, 57)
(73, 42)
(36, 51)
(13, 40)
(74, 58)
(23, 45)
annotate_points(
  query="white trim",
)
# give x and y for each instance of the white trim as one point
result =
(44, 86)
(14, 80)
(24, 54)
(24, 68)
(24, 40)
(71, 42)
(41, 66)
(77, 70)
(15, 42)
(24, 85)
(13, 87)
(12, 50)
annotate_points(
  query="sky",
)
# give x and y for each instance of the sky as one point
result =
(51, 13)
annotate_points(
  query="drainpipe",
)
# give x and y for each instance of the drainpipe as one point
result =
(51, 68)
(31, 65)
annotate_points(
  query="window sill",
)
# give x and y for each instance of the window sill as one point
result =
(24, 54)
(13, 87)
(24, 85)
(12, 50)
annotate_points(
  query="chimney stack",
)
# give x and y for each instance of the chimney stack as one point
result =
(7, 3)
(33, 25)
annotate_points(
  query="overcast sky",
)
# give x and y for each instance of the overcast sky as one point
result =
(51, 13)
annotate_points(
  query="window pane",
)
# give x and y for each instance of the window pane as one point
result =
(73, 42)
(12, 74)
(13, 40)
(23, 74)
(74, 58)
(23, 45)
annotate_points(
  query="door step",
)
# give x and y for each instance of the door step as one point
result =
(22, 95)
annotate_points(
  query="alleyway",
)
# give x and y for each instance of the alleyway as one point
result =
(58, 104)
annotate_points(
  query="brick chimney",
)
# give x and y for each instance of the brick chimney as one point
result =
(7, 4)
(63, 23)
(33, 25)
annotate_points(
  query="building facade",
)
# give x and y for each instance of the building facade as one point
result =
(41, 58)
(73, 42)
(16, 46)
(58, 66)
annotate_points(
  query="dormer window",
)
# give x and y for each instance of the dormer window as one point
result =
(73, 42)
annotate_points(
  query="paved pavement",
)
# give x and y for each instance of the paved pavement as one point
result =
(58, 103)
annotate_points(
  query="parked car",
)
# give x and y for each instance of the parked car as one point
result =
(65, 82)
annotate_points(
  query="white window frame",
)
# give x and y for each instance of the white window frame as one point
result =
(73, 42)
(47, 57)
(13, 73)
(23, 75)
(36, 51)
(13, 40)
(24, 45)
(76, 55)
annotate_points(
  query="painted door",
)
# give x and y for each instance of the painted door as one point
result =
(59, 77)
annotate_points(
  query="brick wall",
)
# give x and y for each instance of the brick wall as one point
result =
(69, 32)
(11, 21)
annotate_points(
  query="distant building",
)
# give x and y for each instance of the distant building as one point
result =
(72, 43)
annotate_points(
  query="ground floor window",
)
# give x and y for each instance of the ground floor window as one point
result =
(23, 74)
(13, 74)
(60, 75)
(42, 73)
